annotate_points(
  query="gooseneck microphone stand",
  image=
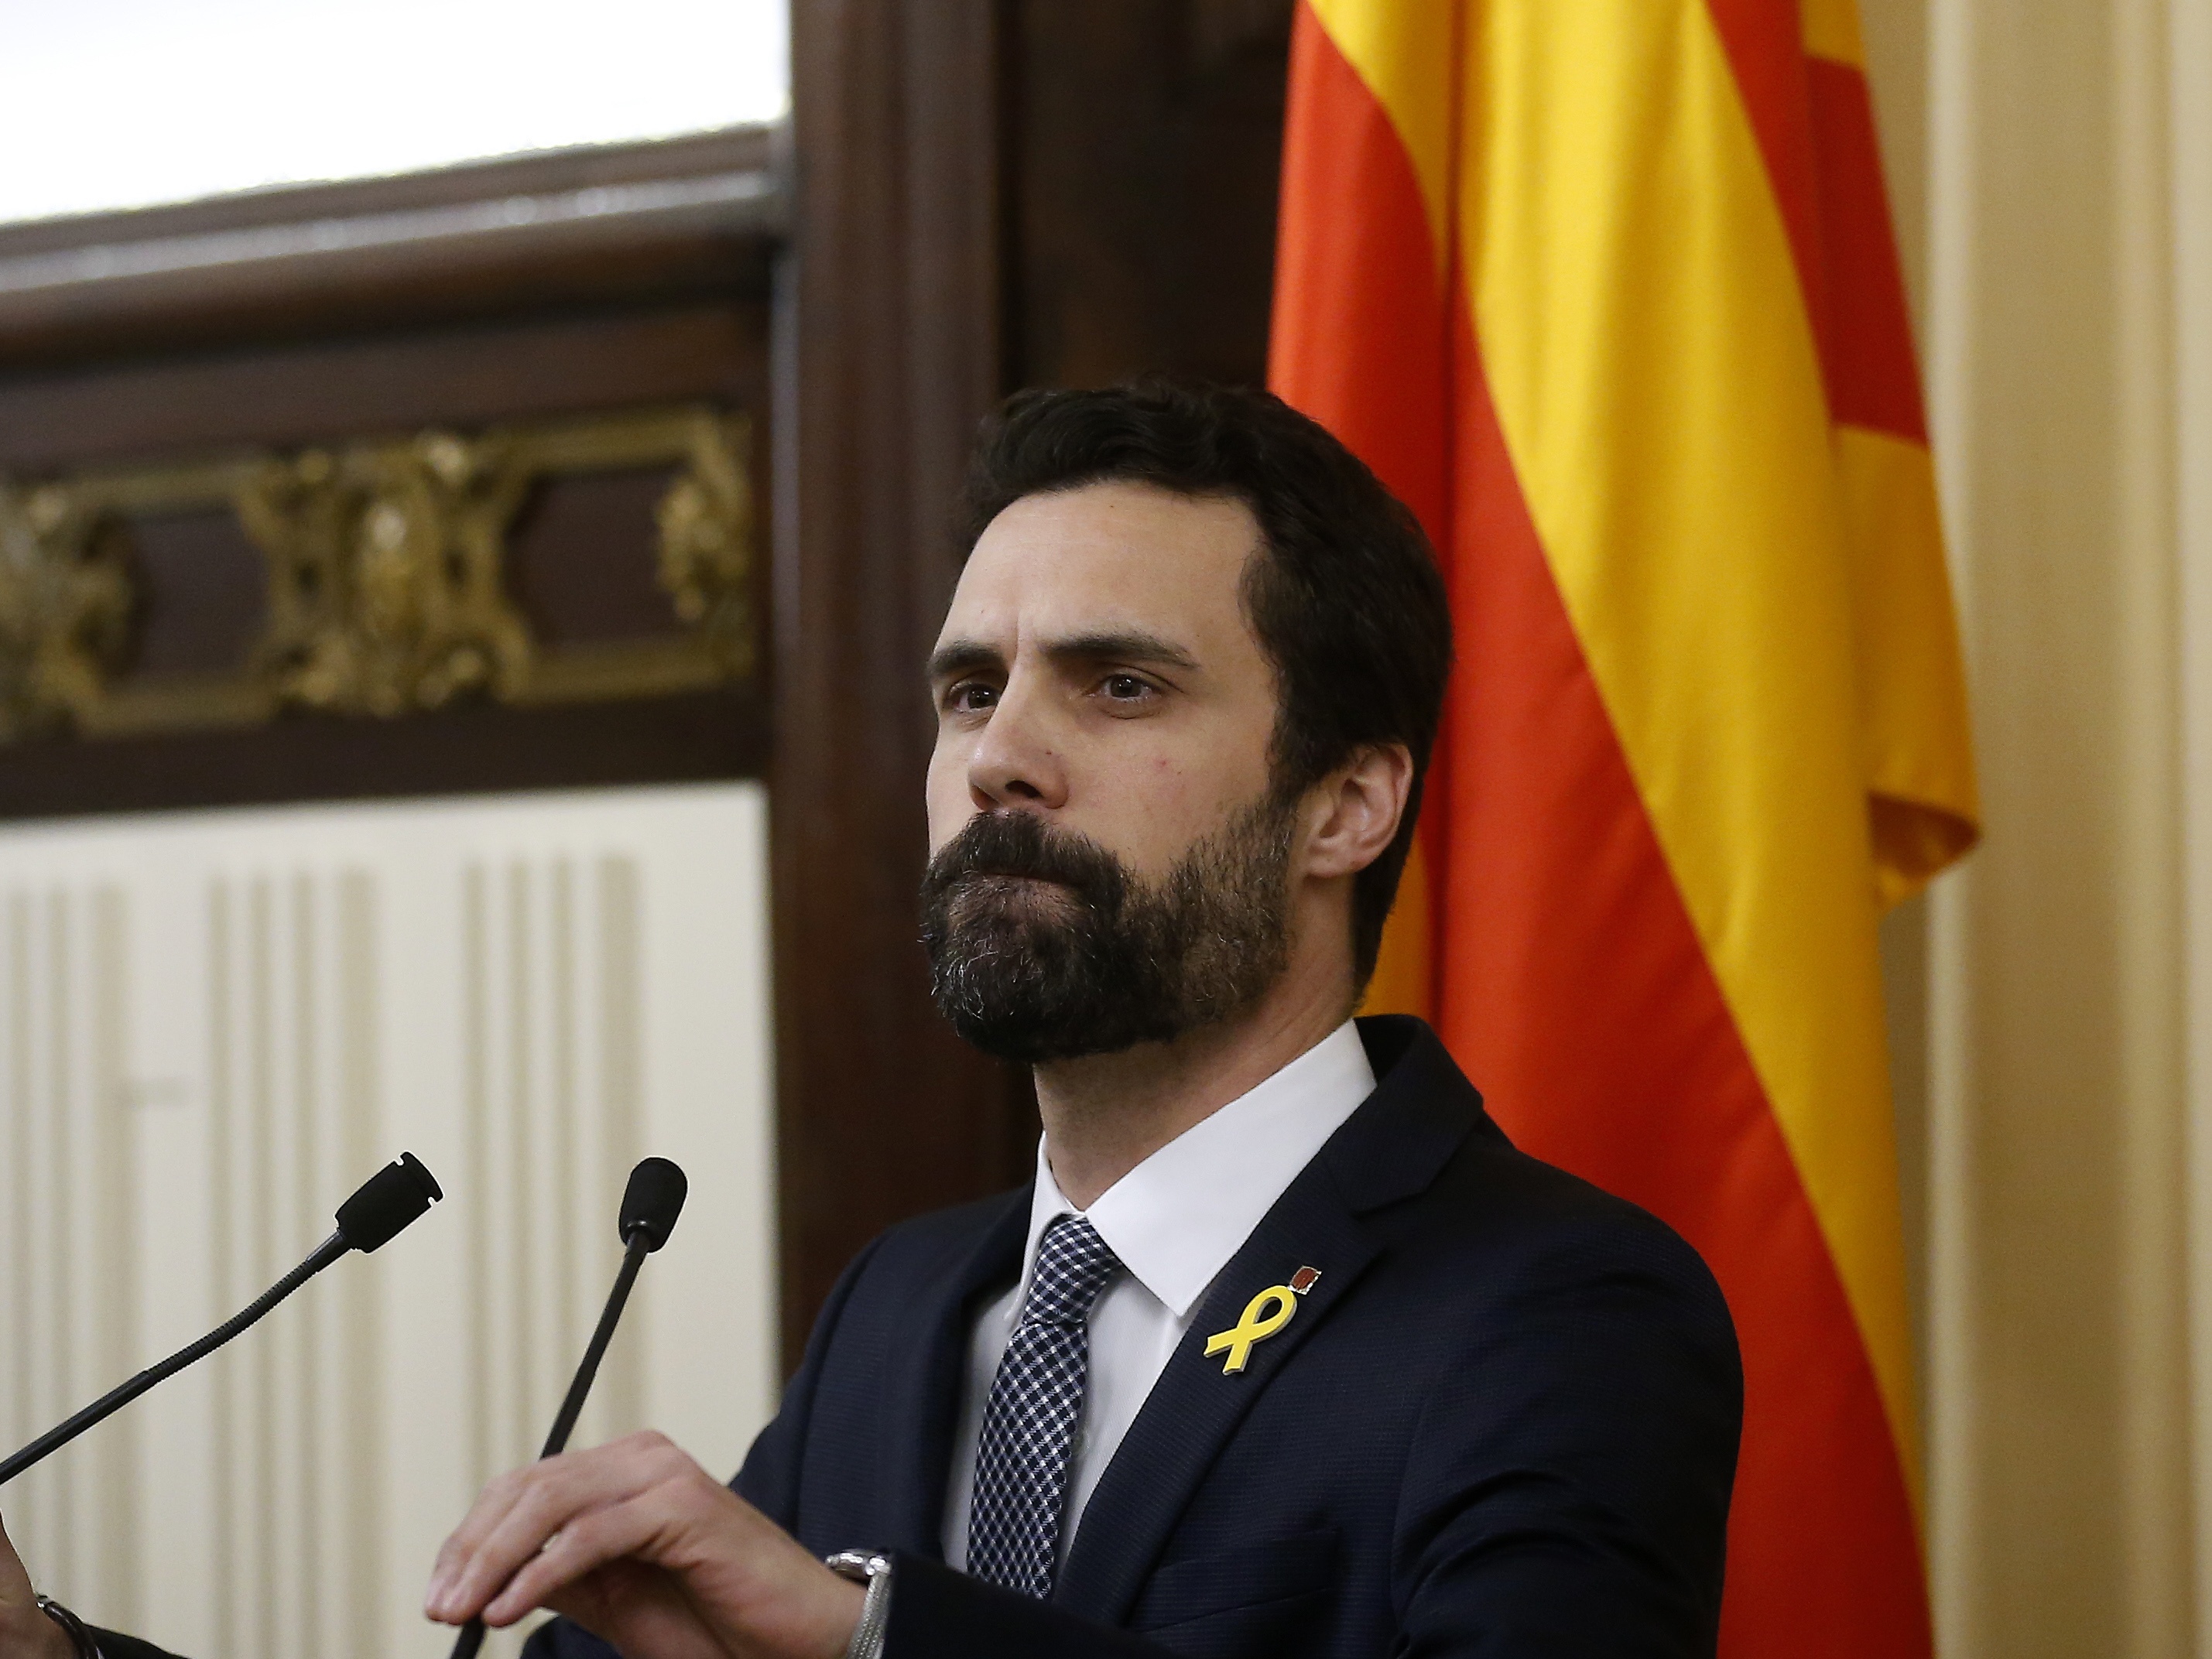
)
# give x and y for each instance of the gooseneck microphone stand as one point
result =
(650, 1204)
(386, 1202)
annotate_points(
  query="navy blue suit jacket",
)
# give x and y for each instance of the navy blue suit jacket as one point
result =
(1503, 1422)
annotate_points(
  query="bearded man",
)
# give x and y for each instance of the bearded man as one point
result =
(1286, 1351)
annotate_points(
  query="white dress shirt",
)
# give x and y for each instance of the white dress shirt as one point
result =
(1175, 1221)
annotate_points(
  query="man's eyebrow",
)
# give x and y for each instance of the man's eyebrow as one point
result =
(956, 657)
(1120, 645)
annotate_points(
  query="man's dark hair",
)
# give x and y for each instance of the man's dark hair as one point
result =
(1346, 599)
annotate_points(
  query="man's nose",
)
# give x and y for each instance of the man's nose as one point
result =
(1017, 761)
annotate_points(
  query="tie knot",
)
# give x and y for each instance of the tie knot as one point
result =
(1072, 1266)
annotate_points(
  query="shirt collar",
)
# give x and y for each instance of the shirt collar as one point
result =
(1176, 1218)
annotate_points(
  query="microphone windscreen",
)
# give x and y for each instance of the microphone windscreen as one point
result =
(652, 1201)
(386, 1202)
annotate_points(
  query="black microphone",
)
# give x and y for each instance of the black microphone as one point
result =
(651, 1203)
(386, 1203)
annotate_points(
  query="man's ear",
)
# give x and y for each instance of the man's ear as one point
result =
(1356, 809)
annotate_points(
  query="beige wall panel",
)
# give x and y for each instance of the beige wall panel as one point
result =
(214, 1025)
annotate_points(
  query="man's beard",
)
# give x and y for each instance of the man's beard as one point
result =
(1103, 960)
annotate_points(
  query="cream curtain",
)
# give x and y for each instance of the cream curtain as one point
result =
(2051, 1002)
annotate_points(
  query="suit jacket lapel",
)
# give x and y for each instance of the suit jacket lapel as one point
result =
(918, 1442)
(1193, 1409)
(1391, 1147)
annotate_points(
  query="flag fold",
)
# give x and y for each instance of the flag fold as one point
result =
(1605, 291)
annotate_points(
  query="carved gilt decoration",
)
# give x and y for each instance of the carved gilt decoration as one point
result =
(65, 609)
(386, 578)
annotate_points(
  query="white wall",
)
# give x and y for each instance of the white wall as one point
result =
(212, 1026)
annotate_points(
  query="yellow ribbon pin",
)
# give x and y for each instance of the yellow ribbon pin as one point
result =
(1254, 1327)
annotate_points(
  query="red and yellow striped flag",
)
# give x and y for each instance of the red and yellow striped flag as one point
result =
(1606, 291)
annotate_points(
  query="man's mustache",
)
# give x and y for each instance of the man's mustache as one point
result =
(1023, 846)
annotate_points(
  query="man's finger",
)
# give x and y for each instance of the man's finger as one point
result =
(511, 1525)
(25, 1632)
(491, 1508)
(15, 1590)
(609, 1532)
(509, 1529)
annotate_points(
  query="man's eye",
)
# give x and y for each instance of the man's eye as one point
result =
(970, 697)
(1124, 688)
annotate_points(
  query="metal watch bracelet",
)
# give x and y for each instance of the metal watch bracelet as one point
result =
(73, 1626)
(866, 1567)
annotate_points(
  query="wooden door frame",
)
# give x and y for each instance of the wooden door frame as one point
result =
(888, 354)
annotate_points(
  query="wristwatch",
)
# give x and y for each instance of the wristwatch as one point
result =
(874, 1569)
(80, 1638)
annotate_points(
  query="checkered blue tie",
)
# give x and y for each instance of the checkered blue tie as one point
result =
(1036, 1401)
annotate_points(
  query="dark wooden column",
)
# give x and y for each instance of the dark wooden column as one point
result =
(1146, 140)
(890, 356)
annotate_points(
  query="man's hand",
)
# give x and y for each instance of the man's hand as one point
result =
(646, 1549)
(25, 1632)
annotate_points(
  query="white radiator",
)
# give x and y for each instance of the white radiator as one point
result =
(212, 1026)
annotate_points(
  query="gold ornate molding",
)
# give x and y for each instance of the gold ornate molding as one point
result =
(387, 572)
(66, 608)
